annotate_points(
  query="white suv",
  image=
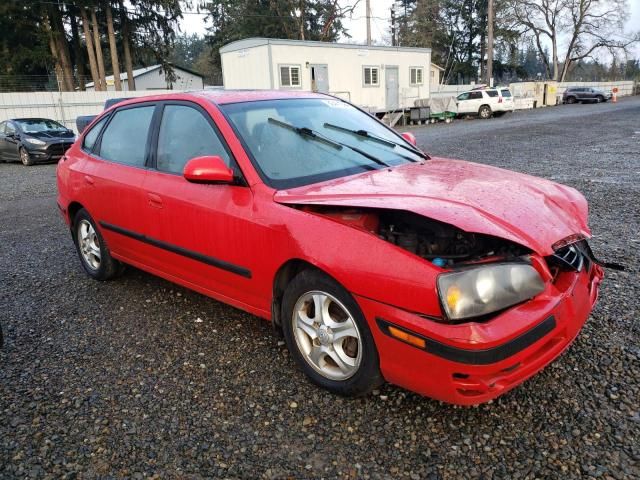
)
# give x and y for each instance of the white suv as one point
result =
(485, 102)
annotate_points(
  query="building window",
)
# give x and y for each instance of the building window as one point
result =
(371, 76)
(289, 76)
(415, 75)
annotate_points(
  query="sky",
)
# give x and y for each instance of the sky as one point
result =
(380, 22)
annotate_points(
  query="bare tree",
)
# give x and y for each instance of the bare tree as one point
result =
(589, 26)
(594, 26)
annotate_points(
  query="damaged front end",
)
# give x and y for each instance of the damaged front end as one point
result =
(480, 275)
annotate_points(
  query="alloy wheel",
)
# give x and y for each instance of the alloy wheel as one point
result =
(89, 244)
(327, 335)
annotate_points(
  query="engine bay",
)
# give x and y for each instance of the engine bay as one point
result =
(442, 244)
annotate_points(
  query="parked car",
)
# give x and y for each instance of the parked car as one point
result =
(585, 94)
(485, 102)
(32, 140)
(84, 120)
(376, 261)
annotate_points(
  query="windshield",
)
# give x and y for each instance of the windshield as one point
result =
(35, 125)
(285, 158)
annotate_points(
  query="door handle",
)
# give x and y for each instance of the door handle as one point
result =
(154, 200)
(89, 180)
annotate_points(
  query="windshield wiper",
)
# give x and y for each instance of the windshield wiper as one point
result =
(307, 132)
(375, 138)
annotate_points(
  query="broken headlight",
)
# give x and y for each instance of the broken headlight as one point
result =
(486, 289)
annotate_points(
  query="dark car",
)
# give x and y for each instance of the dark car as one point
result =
(585, 94)
(32, 140)
(83, 121)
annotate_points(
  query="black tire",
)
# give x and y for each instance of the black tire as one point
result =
(485, 112)
(25, 158)
(367, 376)
(571, 100)
(108, 267)
(599, 99)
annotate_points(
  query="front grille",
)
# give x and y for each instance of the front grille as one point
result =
(58, 148)
(571, 257)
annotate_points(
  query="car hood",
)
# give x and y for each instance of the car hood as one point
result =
(51, 137)
(531, 211)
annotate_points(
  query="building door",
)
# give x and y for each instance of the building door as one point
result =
(320, 78)
(392, 87)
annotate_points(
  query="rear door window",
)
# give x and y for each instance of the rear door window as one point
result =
(125, 138)
(185, 134)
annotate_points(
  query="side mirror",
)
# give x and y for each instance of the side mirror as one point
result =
(410, 137)
(207, 169)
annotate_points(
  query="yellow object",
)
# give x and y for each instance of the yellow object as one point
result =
(453, 297)
(407, 337)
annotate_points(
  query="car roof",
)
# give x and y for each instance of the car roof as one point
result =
(222, 97)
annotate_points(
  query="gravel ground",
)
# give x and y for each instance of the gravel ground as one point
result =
(140, 378)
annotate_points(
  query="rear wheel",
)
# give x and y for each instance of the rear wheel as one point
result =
(92, 249)
(25, 158)
(484, 112)
(328, 335)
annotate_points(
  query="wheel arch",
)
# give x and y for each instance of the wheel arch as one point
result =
(72, 210)
(282, 278)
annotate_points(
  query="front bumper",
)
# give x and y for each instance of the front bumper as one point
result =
(472, 363)
(47, 153)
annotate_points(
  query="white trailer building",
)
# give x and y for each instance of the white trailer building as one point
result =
(376, 78)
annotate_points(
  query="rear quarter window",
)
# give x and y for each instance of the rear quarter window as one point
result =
(492, 93)
(90, 138)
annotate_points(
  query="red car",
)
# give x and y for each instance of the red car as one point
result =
(377, 262)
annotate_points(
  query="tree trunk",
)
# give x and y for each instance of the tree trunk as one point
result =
(62, 47)
(77, 51)
(114, 50)
(93, 65)
(98, 47)
(554, 49)
(128, 63)
(56, 62)
(302, 19)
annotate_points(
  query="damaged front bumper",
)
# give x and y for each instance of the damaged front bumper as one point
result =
(473, 362)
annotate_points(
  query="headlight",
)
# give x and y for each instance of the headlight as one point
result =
(35, 141)
(485, 289)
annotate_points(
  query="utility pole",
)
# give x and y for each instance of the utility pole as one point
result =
(490, 20)
(368, 6)
(393, 27)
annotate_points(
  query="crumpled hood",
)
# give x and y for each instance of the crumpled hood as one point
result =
(531, 211)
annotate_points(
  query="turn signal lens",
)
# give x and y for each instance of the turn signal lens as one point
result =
(406, 337)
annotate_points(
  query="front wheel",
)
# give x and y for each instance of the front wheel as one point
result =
(484, 112)
(25, 157)
(92, 249)
(328, 335)
(599, 99)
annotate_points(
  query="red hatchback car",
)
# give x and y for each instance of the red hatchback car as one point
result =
(452, 279)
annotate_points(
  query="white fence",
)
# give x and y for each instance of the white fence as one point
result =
(624, 87)
(63, 107)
